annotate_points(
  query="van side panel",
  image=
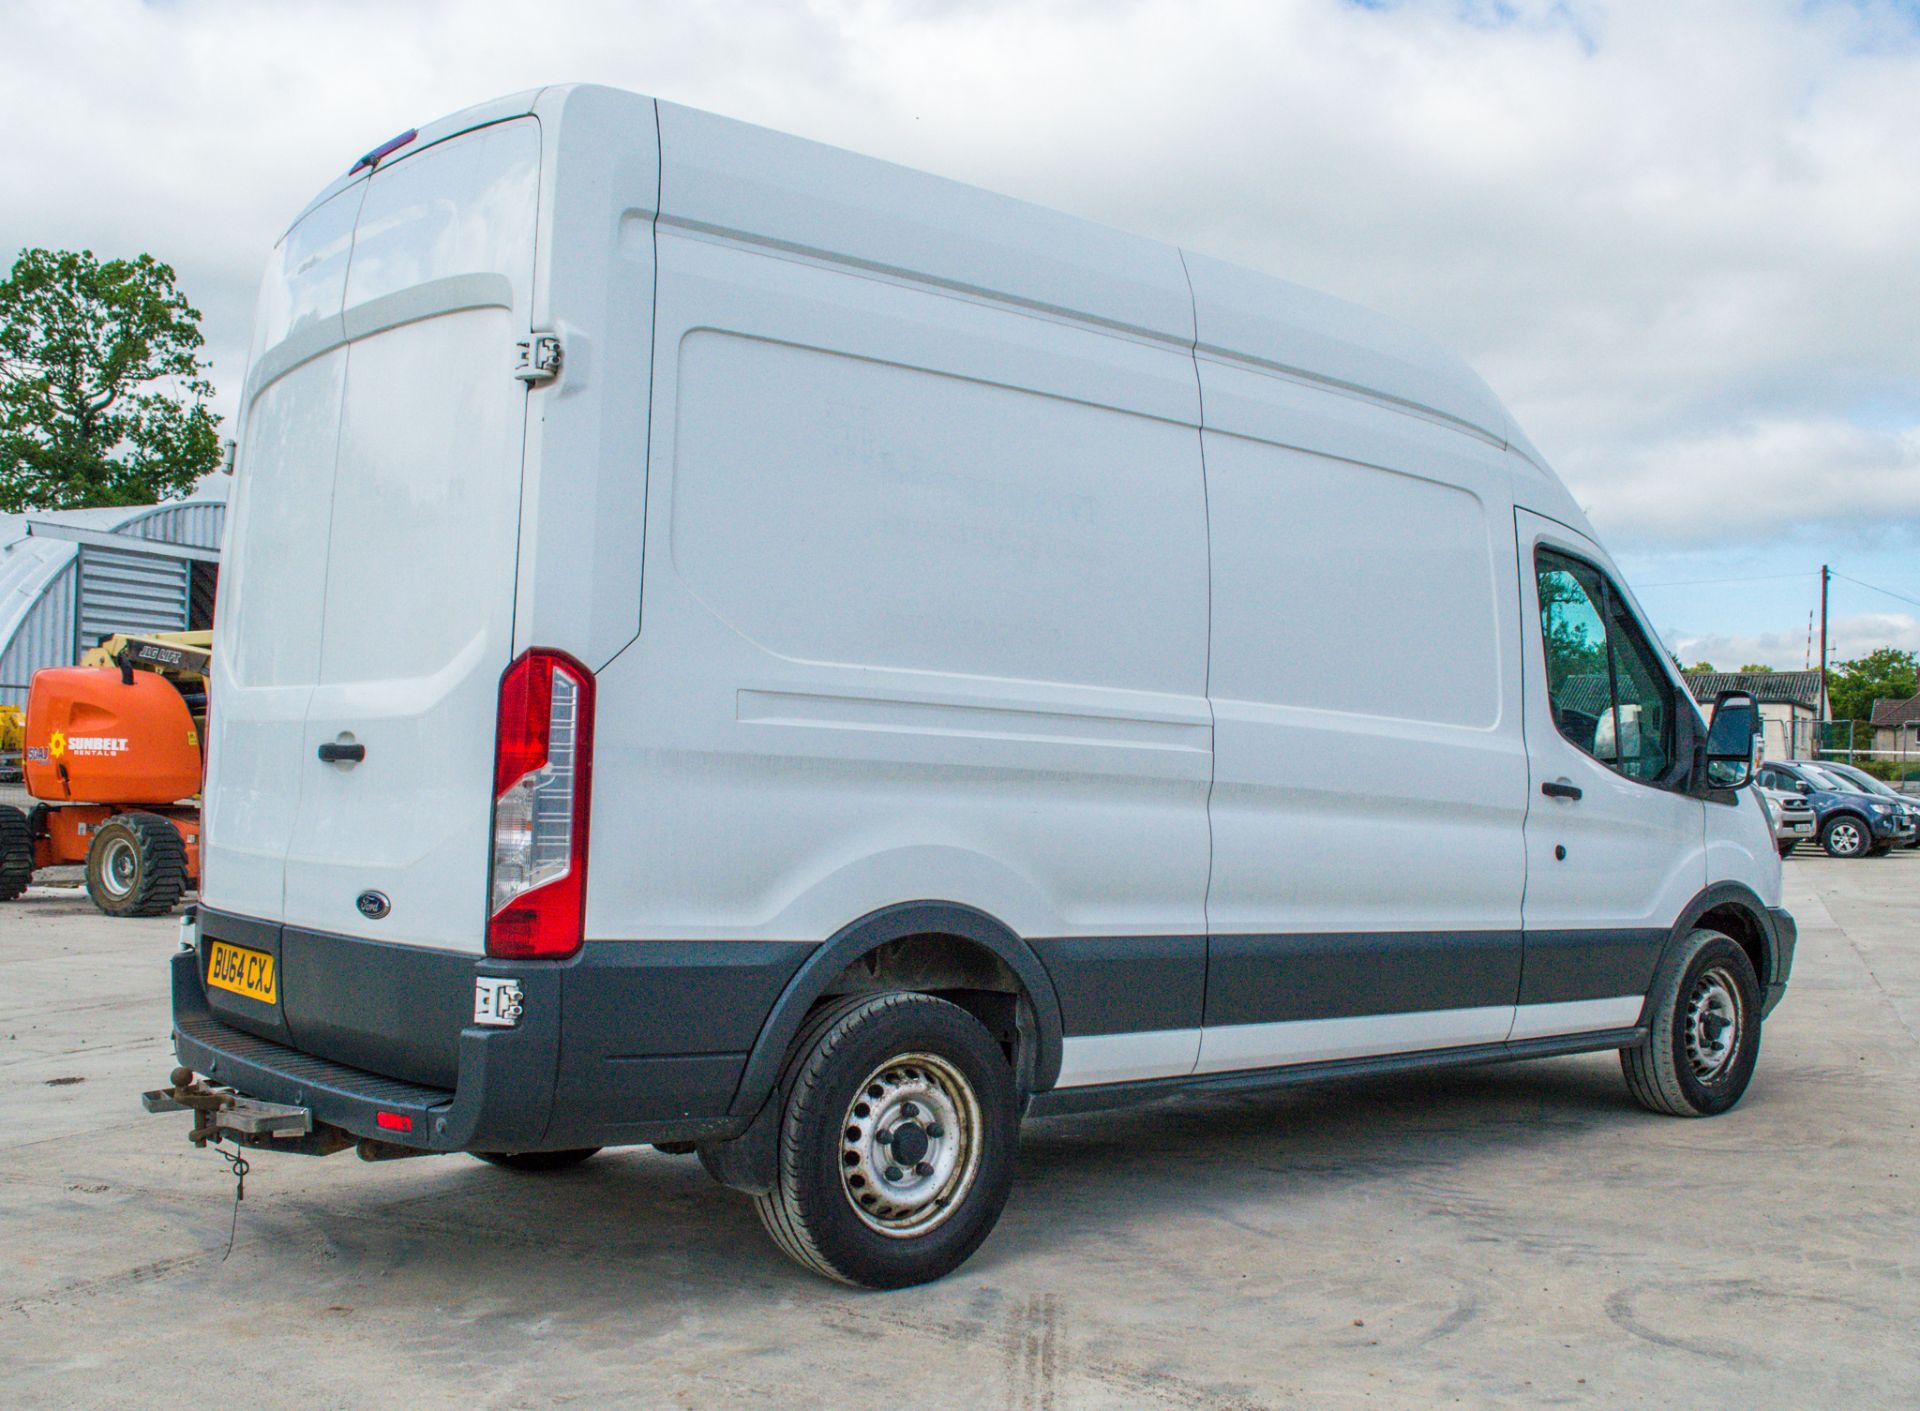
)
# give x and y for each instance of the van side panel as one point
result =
(584, 490)
(925, 617)
(1370, 770)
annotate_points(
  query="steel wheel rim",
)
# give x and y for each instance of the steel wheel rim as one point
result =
(910, 1145)
(1715, 1023)
(119, 868)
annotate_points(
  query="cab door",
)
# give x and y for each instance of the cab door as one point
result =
(1615, 843)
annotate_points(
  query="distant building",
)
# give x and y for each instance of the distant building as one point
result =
(1896, 726)
(71, 577)
(1789, 706)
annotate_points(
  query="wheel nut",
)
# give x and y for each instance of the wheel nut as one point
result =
(884, 1138)
(894, 1173)
(934, 1130)
(909, 1111)
(925, 1168)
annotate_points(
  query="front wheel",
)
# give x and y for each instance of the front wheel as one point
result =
(1845, 836)
(1786, 848)
(897, 1135)
(1703, 1032)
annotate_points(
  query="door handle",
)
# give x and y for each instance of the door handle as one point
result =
(1560, 789)
(332, 753)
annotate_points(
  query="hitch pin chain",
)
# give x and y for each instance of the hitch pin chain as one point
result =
(239, 1166)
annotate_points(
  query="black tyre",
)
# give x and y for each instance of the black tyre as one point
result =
(1846, 835)
(16, 852)
(136, 865)
(897, 1136)
(1704, 1031)
(1879, 849)
(1786, 848)
(538, 1160)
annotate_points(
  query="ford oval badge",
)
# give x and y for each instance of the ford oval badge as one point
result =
(373, 905)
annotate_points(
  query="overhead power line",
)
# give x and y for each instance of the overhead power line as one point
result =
(1876, 588)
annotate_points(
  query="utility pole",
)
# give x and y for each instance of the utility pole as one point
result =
(1825, 574)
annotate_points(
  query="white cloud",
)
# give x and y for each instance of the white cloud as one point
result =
(1682, 240)
(1743, 482)
(1847, 637)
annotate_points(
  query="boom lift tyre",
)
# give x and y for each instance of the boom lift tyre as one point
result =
(16, 853)
(136, 865)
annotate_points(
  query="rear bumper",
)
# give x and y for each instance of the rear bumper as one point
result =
(501, 1102)
(623, 1043)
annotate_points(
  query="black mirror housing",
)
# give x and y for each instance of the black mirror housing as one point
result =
(1732, 753)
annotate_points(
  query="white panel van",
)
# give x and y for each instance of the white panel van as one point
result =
(733, 645)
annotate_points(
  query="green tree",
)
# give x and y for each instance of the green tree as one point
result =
(1698, 668)
(102, 387)
(1757, 670)
(1853, 686)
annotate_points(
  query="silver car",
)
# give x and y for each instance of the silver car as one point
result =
(1791, 815)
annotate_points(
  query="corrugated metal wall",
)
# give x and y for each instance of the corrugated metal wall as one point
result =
(45, 638)
(195, 523)
(125, 590)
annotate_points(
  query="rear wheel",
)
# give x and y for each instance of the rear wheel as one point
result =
(538, 1160)
(1846, 836)
(897, 1131)
(1703, 1032)
(136, 865)
(16, 853)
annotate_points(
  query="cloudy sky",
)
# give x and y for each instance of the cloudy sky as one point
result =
(1680, 237)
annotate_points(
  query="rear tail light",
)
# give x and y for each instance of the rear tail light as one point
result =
(543, 765)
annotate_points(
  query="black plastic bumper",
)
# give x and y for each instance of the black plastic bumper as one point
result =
(622, 1043)
(1786, 933)
(502, 1101)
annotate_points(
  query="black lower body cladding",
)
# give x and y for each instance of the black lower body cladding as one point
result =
(627, 1041)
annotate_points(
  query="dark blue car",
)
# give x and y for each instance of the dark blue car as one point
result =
(1848, 820)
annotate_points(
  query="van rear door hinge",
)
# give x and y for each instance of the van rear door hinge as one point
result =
(537, 359)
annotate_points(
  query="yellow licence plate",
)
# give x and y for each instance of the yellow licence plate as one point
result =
(244, 972)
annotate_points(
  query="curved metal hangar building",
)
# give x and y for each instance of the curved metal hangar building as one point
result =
(70, 577)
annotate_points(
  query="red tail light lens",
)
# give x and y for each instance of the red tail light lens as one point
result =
(543, 767)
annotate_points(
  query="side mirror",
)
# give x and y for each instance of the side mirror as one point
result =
(1733, 741)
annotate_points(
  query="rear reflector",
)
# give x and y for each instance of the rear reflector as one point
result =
(543, 766)
(393, 1121)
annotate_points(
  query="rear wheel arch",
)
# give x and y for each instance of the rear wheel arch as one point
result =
(933, 947)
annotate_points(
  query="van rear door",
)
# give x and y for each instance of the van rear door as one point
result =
(422, 532)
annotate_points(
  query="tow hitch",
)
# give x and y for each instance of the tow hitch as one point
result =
(221, 1114)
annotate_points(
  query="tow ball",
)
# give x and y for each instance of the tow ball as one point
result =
(221, 1114)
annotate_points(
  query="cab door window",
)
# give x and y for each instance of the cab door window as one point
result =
(1611, 698)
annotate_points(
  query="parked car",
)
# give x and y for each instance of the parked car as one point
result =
(1792, 816)
(1848, 821)
(1859, 777)
(960, 626)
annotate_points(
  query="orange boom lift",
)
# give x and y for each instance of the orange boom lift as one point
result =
(113, 755)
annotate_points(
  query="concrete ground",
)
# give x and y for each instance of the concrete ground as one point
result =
(1517, 1236)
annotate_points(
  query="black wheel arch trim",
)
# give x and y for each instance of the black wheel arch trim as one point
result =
(1767, 924)
(892, 923)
